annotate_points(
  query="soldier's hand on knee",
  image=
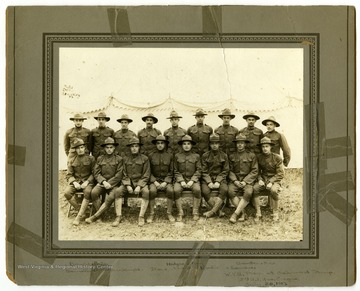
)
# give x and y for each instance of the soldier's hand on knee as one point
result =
(163, 185)
(211, 185)
(157, 185)
(183, 184)
(106, 185)
(129, 189)
(268, 186)
(216, 185)
(137, 190)
(242, 184)
(190, 184)
(84, 185)
(261, 183)
(77, 185)
(237, 184)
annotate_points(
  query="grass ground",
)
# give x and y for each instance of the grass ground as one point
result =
(289, 228)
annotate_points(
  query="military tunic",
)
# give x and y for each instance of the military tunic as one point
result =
(122, 137)
(162, 170)
(80, 169)
(75, 132)
(271, 170)
(227, 135)
(243, 168)
(174, 135)
(146, 136)
(215, 168)
(187, 166)
(97, 138)
(280, 143)
(136, 173)
(201, 135)
(253, 135)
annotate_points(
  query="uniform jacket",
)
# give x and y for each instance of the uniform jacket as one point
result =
(187, 166)
(280, 142)
(243, 167)
(253, 135)
(80, 169)
(123, 138)
(174, 135)
(214, 166)
(271, 168)
(200, 134)
(136, 170)
(73, 133)
(227, 135)
(109, 168)
(146, 136)
(162, 167)
(97, 138)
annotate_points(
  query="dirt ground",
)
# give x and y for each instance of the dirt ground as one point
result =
(289, 227)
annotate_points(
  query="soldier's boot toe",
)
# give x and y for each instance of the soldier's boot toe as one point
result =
(141, 221)
(242, 217)
(221, 213)
(150, 219)
(91, 219)
(196, 217)
(233, 218)
(179, 218)
(208, 214)
(116, 221)
(76, 221)
(171, 218)
(275, 217)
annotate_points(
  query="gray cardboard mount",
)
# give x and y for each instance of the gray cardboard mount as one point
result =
(33, 257)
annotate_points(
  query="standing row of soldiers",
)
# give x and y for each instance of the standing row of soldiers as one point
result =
(172, 163)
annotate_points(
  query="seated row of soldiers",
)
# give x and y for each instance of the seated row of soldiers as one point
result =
(242, 173)
(199, 132)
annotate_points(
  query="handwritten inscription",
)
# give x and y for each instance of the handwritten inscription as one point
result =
(68, 91)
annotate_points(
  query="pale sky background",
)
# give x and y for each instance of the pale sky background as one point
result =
(268, 81)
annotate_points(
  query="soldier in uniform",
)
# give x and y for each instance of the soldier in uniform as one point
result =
(108, 172)
(200, 133)
(148, 134)
(162, 170)
(227, 132)
(136, 176)
(99, 135)
(79, 177)
(215, 169)
(187, 172)
(123, 136)
(252, 133)
(277, 139)
(175, 133)
(76, 132)
(271, 172)
(243, 173)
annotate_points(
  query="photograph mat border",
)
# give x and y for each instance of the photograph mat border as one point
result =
(310, 41)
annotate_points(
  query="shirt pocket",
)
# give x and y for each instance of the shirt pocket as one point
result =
(194, 130)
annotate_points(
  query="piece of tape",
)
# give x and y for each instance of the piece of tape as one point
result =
(16, 155)
(338, 147)
(195, 265)
(100, 274)
(28, 241)
(212, 20)
(119, 27)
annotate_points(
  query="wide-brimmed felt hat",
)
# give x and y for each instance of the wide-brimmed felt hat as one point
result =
(265, 140)
(214, 138)
(241, 137)
(160, 138)
(272, 119)
(200, 112)
(150, 115)
(109, 141)
(174, 114)
(102, 115)
(78, 116)
(77, 142)
(134, 140)
(186, 138)
(251, 114)
(124, 117)
(226, 112)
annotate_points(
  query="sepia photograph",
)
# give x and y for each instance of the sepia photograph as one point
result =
(181, 144)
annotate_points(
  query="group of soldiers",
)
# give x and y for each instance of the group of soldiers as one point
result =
(240, 165)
